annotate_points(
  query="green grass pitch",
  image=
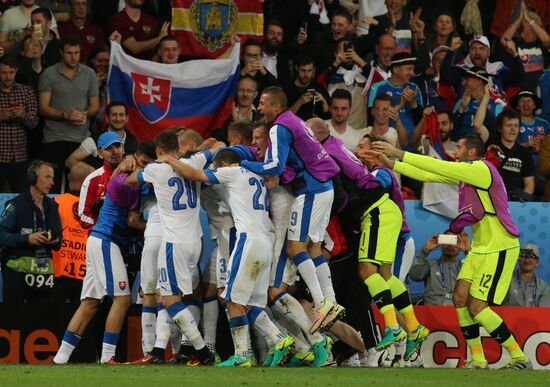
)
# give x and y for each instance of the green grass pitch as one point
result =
(129, 375)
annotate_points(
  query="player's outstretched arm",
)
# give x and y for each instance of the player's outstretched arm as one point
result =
(278, 154)
(422, 175)
(474, 173)
(184, 170)
(389, 150)
(378, 157)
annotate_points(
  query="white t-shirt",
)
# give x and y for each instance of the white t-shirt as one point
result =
(350, 137)
(390, 136)
(270, 63)
(178, 200)
(247, 196)
(13, 21)
(149, 206)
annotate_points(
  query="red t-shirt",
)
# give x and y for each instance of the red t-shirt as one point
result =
(144, 29)
(90, 36)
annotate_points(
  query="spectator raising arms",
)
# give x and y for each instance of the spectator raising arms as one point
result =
(530, 44)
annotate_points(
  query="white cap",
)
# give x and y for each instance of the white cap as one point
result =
(531, 246)
(438, 49)
(480, 39)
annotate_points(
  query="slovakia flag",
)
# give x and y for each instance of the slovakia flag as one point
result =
(198, 94)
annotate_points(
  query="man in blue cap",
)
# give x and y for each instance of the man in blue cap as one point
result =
(105, 269)
(94, 188)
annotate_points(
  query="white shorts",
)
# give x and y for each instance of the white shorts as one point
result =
(248, 274)
(209, 274)
(177, 268)
(280, 205)
(149, 264)
(310, 216)
(105, 270)
(404, 256)
(216, 269)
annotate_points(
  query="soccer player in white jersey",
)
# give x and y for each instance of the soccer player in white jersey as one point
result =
(153, 238)
(249, 264)
(215, 201)
(178, 204)
(156, 324)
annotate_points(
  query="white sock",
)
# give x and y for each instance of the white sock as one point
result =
(261, 321)
(240, 331)
(275, 321)
(108, 350)
(184, 320)
(148, 328)
(307, 271)
(301, 345)
(260, 346)
(163, 328)
(323, 275)
(69, 343)
(288, 308)
(400, 347)
(195, 311)
(175, 339)
(210, 313)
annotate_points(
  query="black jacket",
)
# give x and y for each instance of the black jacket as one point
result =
(17, 218)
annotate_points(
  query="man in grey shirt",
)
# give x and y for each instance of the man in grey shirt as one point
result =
(68, 97)
(526, 288)
(439, 275)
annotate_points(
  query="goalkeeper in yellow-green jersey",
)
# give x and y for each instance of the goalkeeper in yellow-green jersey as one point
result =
(487, 270)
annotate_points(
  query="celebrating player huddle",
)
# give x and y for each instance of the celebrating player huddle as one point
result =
(268, 210)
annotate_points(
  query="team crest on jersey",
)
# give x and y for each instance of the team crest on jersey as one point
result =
(151, 96)
(122, 285)
(213, 22)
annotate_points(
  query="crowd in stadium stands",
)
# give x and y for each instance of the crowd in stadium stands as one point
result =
(419, 74)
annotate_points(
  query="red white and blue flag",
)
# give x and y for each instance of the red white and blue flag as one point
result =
(198, 94)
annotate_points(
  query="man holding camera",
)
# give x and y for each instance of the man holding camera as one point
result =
(30, 228)
(440, 275)
(306, 98)
(252, 66)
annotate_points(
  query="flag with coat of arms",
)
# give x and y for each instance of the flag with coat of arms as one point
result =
(198, 94)
(204, 27)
